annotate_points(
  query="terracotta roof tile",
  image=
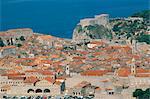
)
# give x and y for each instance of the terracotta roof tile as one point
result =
(31, 79)
(94, 73)
(49, 79)
(124, 72)
(45, 37)
(7, 47)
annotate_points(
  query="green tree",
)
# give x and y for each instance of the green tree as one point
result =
(18, 45)
(144, 14)
(22, 38)
(1, 43)
(147, 91)
(138, 93)
(79, 28)
(145, 96)
(144, 38)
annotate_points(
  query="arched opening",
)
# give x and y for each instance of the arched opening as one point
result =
(73, 93)
(38, 91)
(46, 91)
(30, 91)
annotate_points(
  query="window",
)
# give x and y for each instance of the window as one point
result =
(73, 93)
(46, 91)
(38, 91)
(30, 90)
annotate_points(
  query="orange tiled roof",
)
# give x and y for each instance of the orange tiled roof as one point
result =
(46, 72)
(141, 70)
(134, 56)
(7, 47)
(98, 53)
(55, 56)
(83, 52)
(18, 67)
(97, 42)
(33, 70)
(49, 79)
(45, 37)
(143, 75)
(57, 82)
(59, 70)
(124, 72)
(62, 78)
(31, 79)
(43, 72)
(15, 75)
(78, 57)
(47, 61)
(86, 67)
(12, 72)
(94, 73)
(108, 89)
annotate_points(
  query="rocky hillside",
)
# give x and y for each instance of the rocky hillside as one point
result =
(91, 32)
(134, 29)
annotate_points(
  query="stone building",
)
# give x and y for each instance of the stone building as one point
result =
(102, 19)
(8, 50)
(6, 84)
(46, 40)
(82, 89)
(47, 87)
(87, 22)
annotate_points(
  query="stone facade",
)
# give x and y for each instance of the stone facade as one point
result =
(87, 22)
(8, 50)
(102, 19)
(7, 84)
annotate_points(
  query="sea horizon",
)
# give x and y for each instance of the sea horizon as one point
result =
(59, 18)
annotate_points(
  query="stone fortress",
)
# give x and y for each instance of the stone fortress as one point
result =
(92, 28)
(102, 19)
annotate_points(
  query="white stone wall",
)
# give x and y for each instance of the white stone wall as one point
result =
(7, 51)
(102, 19)
(87, 22)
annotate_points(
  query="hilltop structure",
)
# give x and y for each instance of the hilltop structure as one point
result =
(10, 37)
(102, 19)
(92, 28)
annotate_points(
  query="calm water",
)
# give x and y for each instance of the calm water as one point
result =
(59, 17)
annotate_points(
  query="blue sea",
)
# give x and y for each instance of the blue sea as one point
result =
(59, 17)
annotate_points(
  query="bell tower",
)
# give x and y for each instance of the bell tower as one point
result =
(133, 67)
(134, 46)
(67, 70)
